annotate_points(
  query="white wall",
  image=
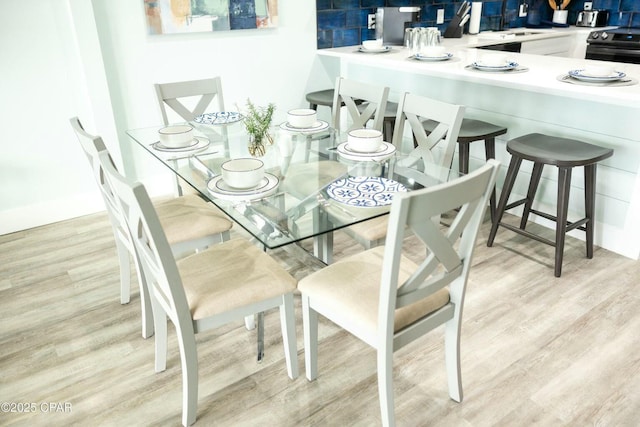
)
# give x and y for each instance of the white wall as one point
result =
(94, 59)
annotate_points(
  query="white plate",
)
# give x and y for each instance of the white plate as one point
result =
(364, 191)
(579, 75)
(378, 50)
(317, 127)
(219, 118)
(266, 187)
(199, 143)
(508, 66)
(386, 150)
(444, 57)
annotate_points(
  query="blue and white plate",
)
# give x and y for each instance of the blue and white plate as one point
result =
(580, 75)
(364, 191)
(483, 67)
(421, 57)
(219, 118)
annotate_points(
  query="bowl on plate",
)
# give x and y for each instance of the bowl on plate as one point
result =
(598, 71)
(372, 44)
(432, 51)
(493, 60)
(302, 118)
(364, 140)
(242, 173)
(176, 136)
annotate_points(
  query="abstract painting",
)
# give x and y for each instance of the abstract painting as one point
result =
(190, 16)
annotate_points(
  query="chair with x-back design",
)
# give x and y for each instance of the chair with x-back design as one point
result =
(388, 300)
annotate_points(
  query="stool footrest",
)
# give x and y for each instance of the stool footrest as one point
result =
(570, 225)
(527, 234)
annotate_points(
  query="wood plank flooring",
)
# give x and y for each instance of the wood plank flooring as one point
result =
(536, 350)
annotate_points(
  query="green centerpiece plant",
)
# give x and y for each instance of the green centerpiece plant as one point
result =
(257, 122)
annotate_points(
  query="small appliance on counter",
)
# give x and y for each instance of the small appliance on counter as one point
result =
(392, 21)
(593, 18)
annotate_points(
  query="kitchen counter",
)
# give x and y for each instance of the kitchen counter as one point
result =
(530, 101)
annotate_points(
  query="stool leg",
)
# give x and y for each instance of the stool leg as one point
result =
(509, 180)
(463, 157)
(536, 173)
(388, 125)
(490, 153)
(589, 204)
(313, 106)
(564, 185)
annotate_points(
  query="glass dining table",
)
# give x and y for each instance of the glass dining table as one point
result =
(313, 185)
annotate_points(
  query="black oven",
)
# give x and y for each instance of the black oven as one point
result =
(618, 45)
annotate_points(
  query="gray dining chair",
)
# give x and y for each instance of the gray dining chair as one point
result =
(203, 291)
(387, 300)
(189, 222)
(435, 148)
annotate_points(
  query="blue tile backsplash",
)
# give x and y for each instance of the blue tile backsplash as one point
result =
(344, 22)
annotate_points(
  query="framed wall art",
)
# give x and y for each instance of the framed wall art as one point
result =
(190, 16)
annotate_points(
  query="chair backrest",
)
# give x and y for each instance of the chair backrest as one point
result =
(449, 251)
(152, 247)
(92, 146)
(181, 97)
(352, 93)
(414, 109)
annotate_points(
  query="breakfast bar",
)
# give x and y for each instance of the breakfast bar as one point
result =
(536, 96)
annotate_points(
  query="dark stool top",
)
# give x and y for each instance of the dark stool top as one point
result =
(321, 97)
(471, 130)
(553, 150)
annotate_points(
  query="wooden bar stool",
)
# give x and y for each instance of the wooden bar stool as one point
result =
(325, 98)
(475, 130)
(565, 154)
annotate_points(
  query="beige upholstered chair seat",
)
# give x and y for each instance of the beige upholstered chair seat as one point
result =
(304, 179)
(352, 285)
(189, 218)
(372, 230)
(218, 281)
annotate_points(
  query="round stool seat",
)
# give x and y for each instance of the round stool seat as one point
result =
(553, 150)
(471, 130)
(321, 97)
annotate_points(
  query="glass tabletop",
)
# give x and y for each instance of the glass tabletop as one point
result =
(311, 185)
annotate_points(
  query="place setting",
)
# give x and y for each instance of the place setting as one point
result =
(365, 145)
(373, 46)
(303, 120)
(496, 63)
(179, 139)
(243, 179)
(597, 76)
(432, 54)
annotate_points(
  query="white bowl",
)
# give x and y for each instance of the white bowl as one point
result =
(597, 71)
(176, 136)
(364, 140)
(242, 173)
(302, 118)
(433, 51)
(372, 44)
(493, 60)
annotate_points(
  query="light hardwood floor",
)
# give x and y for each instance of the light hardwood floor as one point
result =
(536, 350)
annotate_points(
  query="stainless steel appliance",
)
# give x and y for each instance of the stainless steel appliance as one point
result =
(593, 18)
(618, 44)
(392, 21)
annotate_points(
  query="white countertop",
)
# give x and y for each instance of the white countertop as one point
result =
(541, 76)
